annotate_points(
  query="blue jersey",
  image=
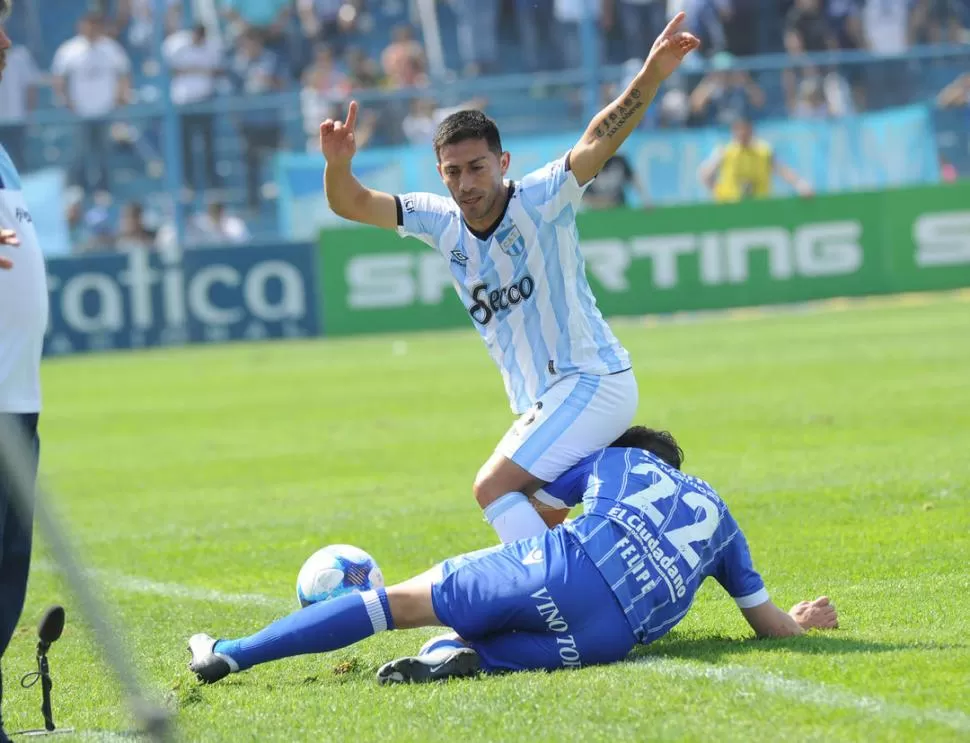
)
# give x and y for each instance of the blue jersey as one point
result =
(655, 534)
(524, 283)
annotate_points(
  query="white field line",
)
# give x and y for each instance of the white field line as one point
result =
(114, 580)
(798, 690)
(809, 692)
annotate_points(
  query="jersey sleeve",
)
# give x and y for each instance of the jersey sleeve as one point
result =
(735, 571)
(568, 489)
(552, 188)
(423, 215)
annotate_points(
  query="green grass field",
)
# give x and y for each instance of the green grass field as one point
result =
(196, 482)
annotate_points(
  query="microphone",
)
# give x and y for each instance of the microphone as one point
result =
(50, 629)
(48, 632)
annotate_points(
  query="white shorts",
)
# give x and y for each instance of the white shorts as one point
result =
(576, 417)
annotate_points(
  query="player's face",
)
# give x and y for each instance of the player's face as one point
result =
(475, 177)
(743, 132)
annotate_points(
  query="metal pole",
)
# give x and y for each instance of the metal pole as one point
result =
(14, 454)
(171, 125)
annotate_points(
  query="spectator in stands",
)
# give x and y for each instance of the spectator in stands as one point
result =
(745, 168)
(92, 78)
(808, 30)
(196, 60)
(268, 17)
(215, 226)
(846, 23)
(477, 34)
(640, 21)
(329, 22)
(533, 21)
(74, 215)
(956, 94)
(741, 21)
(821, 95)
(99, 232)
(18, 97)
(420, 124)
(324, 86)
(362, 71)
(403, 59)
(886, 30)
(938, 22)
(134, 22)
(257, 71)
(725, 94)
(886, 26)
(569, 14)
(133, 233)
(608, 189)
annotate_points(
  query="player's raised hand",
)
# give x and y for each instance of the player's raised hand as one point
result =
(337, 141)
(671, 47)
(817, 614)
(7, 237)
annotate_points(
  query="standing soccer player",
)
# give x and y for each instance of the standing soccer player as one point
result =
(23, 319)
(514, 253)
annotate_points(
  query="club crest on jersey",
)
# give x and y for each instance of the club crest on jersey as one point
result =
(512, 244)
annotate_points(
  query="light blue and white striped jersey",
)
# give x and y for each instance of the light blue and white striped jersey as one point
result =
(524, 284)
(655, 534)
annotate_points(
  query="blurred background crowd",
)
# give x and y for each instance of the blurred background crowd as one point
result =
(95, 87)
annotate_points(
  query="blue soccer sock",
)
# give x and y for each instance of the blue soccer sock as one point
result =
(319, 628)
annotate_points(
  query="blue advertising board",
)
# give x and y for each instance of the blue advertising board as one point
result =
(210, 295)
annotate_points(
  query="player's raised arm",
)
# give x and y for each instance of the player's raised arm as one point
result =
(345, 194)
(611, 126)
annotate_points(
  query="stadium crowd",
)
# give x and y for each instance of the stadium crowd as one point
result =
(326, 51)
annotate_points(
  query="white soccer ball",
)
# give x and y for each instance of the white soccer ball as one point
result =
(336, 571)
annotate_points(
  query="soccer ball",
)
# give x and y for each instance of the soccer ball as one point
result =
(336, 571)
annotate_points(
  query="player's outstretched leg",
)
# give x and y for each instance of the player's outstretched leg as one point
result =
(318, 628)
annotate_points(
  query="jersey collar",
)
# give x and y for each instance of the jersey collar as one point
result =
(487, 234)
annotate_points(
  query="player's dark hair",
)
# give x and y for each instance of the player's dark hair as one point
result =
(469, 124)
(659, 443)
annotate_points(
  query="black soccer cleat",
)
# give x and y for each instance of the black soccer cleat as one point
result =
(206, 664)
(459, 663)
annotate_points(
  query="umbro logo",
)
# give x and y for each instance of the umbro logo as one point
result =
(534, 557)
(458, 257)
(24, 216)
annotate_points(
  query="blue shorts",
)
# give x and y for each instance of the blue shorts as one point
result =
(538, 603)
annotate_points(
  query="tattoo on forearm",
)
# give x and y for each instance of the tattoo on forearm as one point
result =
(618, 115)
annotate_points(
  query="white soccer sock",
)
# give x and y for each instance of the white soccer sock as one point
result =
(513, 518)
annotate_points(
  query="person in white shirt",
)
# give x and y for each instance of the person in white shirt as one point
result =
(195, 60)
(217, 227)
(18, 96)
(569, 15)
(23, 320)
(886, 30)
(91, 78)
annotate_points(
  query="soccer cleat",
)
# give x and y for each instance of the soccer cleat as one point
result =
(459, 663)
(206, 664)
